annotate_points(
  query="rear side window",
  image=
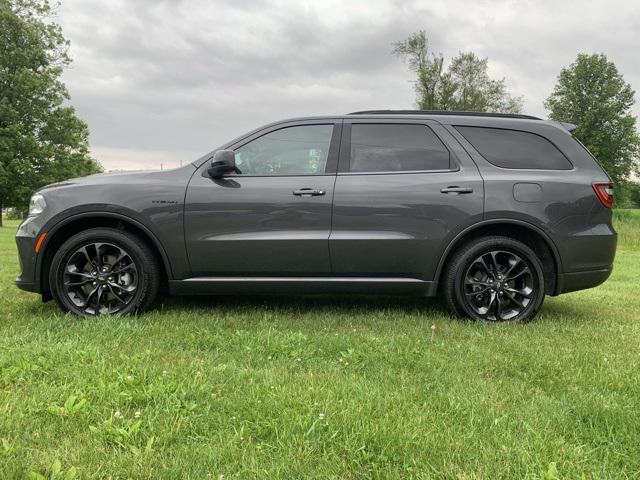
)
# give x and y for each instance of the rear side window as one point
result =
(396, 148)
(515, 148)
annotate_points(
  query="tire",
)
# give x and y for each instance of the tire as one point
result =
(497, 279)
(104, 271)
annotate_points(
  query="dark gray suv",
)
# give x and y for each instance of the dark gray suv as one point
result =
(494, 211)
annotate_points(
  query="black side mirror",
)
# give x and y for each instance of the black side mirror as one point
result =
(222, 163)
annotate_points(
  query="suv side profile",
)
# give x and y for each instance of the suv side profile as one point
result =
(493, 211)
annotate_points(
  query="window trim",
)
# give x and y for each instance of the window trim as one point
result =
(332, 155)
(573, 167)
(344, 163)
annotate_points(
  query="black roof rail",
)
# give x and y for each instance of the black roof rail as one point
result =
(443, 112)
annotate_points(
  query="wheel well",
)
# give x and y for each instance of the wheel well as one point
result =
(530, 237)
(85, 223)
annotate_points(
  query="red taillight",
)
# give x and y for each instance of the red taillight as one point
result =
(604, 191)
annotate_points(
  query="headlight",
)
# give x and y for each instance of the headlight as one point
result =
(36, 205)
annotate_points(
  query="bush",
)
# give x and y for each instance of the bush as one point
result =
(14, 214)
(627, 194)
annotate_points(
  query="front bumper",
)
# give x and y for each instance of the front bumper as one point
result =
(25, 241)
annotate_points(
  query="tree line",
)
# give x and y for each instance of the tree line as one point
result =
(590, 93)
(43, 141)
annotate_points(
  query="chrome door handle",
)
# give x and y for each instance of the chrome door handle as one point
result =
(308, 192)
(456, 190)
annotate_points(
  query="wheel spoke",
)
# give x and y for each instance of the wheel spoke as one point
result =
(513, 298)
(78, 284)
(75, 271)
(473, 281)
(519, 273)
(118, 297)
(90, 261)
(498, 303)
(477, 292)
(522, 293)
(98, 298)
(481, 261)
(98, 247)
(87, 301)
(490, 303)
(517, 262)
(120, 258)
(494, 263)
(122, 288)
(129, 266)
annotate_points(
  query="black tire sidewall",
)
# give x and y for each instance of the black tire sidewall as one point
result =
(482, 246)
(115, 237)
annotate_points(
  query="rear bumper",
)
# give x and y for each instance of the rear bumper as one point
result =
(571, 282)
(587, 258)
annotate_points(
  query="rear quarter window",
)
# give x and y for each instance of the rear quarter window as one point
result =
(515, 148)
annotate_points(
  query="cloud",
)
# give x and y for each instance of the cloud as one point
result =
(173, 79)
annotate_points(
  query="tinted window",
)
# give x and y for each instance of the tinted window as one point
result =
(301, 150)
(396, 147)
(515, 149)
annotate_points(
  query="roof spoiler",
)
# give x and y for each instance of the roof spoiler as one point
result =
(569, 127)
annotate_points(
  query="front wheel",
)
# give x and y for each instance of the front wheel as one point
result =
(104, 271)
(496, 279)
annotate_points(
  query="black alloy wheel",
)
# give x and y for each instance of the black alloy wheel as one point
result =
(498, 285)
(100, 278)
(495, 279)
(104, 271)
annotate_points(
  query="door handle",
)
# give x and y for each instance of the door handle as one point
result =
(455, 190)
(308, 192)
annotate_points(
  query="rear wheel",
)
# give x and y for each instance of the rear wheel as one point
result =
(496, 279)
(104, 271)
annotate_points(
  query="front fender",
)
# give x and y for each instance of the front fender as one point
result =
(174, 262)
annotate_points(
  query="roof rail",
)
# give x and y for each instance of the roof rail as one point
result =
(443, 112)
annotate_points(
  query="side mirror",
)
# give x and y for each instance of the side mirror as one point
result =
(222, 163)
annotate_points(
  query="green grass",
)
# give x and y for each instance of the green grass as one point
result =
(323, 387)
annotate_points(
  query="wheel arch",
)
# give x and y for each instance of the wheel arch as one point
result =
(529, 234)
(69, 226)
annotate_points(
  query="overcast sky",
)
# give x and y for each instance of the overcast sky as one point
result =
(165, 81)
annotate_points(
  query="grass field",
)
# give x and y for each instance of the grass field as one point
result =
(323, 387)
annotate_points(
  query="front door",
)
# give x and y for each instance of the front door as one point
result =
(273, 218)
(403, 191)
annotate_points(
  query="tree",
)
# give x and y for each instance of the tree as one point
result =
(472, 89)
(426, 65)
(593, 95)
(41, 139)
(465, 85)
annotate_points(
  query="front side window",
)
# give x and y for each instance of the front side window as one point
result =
(379, 147)
(299, 150)
(515, 148)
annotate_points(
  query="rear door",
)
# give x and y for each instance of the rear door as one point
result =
(404, 189)
(273, 218)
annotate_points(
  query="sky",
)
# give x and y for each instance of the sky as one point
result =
(162, 82)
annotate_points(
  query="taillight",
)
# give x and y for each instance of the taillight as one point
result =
(604, 191)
